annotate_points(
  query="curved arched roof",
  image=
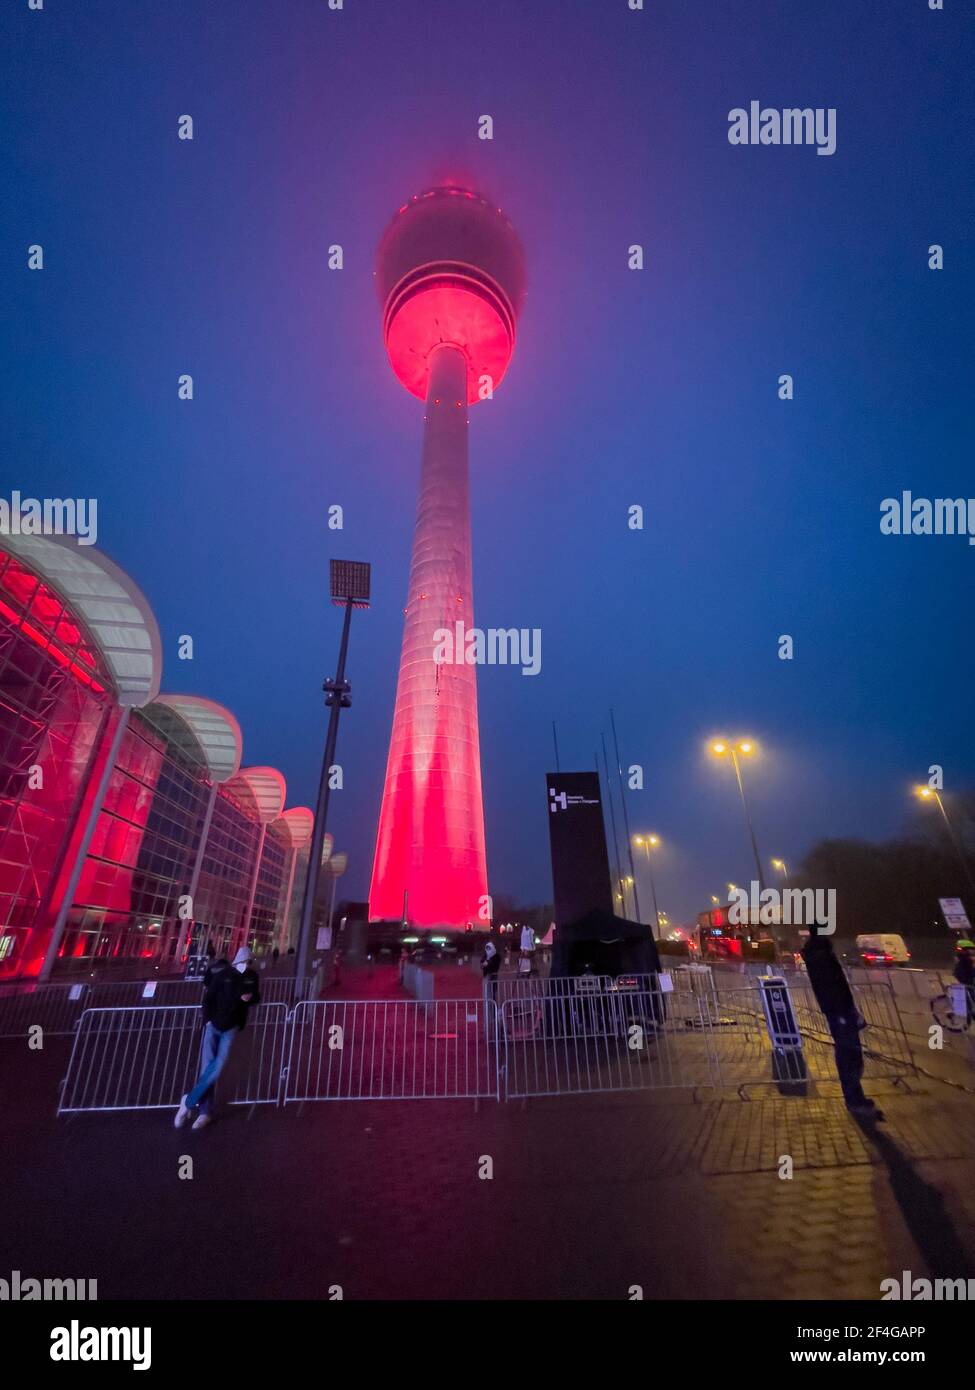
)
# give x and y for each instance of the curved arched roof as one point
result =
(263, 788)
(112, 608)
(295, 826)
(214, 728)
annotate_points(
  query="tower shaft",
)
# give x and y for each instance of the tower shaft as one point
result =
(430, 841)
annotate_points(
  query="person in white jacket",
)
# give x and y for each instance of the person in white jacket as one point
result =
(527, 951)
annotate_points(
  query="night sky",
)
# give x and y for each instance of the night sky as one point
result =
(657, 387)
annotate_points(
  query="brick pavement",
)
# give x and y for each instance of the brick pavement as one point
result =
(589, 1196)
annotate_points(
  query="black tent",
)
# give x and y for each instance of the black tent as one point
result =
(601, 943)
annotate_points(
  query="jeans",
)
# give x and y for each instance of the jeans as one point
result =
(849, 1057)
(213, 1058)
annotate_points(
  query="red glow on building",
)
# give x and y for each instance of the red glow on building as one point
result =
(454, 315)
(451, 283)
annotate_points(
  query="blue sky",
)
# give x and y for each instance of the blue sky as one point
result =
(656, 387)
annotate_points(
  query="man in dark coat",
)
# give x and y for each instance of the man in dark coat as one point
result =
(490, 965)
(229, 992)
(964, 972)
(835, 998)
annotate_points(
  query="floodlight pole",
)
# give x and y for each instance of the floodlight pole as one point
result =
(748, 819)
(626, 820)
(337, 699)
(966, 869)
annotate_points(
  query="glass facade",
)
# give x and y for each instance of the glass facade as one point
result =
(140, 859)
(293, 916)
(228, 869)
(272, 884)
(54, 701)
(131, 902)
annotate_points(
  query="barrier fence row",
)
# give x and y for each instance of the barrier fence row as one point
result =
(58, 1007)
(559, 1037)
(148, 1058)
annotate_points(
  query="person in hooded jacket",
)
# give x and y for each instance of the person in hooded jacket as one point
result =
(835, 998)
(490, 965)
(229, 992)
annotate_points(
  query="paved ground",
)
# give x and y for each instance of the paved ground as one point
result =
(588, 1196)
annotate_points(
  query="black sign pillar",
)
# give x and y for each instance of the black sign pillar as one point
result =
(577, 836)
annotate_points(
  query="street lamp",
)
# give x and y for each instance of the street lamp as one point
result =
(744, 747)
(650, 842)
(349, 581)
(781, 866)
(926, 794)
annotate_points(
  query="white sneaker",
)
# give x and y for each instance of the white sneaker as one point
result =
(201, 1121)
(182, 1114)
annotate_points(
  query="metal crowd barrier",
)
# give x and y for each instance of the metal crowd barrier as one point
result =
(392, 1049)
(147, 1058)
(538, 1038)
(55, 1007)
(621, 1040)
(744, 1054)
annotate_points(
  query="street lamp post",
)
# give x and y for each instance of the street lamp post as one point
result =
(926, 793)
(648, 842)
(626, 818)
(722, 748)
(350, 589)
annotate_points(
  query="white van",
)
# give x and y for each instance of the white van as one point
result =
(883, 949)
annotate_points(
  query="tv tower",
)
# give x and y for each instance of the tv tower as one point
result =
(451, 282)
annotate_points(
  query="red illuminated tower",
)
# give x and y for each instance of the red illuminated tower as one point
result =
(451, 282)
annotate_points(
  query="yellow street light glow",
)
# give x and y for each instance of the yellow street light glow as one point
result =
(732, 888)
(777, 864)
(720, 746)
(924, 792)
(655, 839)
(714, 899)
(638, 839)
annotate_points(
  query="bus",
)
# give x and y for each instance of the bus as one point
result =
(723, 940)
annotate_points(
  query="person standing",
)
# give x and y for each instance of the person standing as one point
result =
(229, 992)
(527, 950)
(490, 965)
(964, 973)
(835, 998)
